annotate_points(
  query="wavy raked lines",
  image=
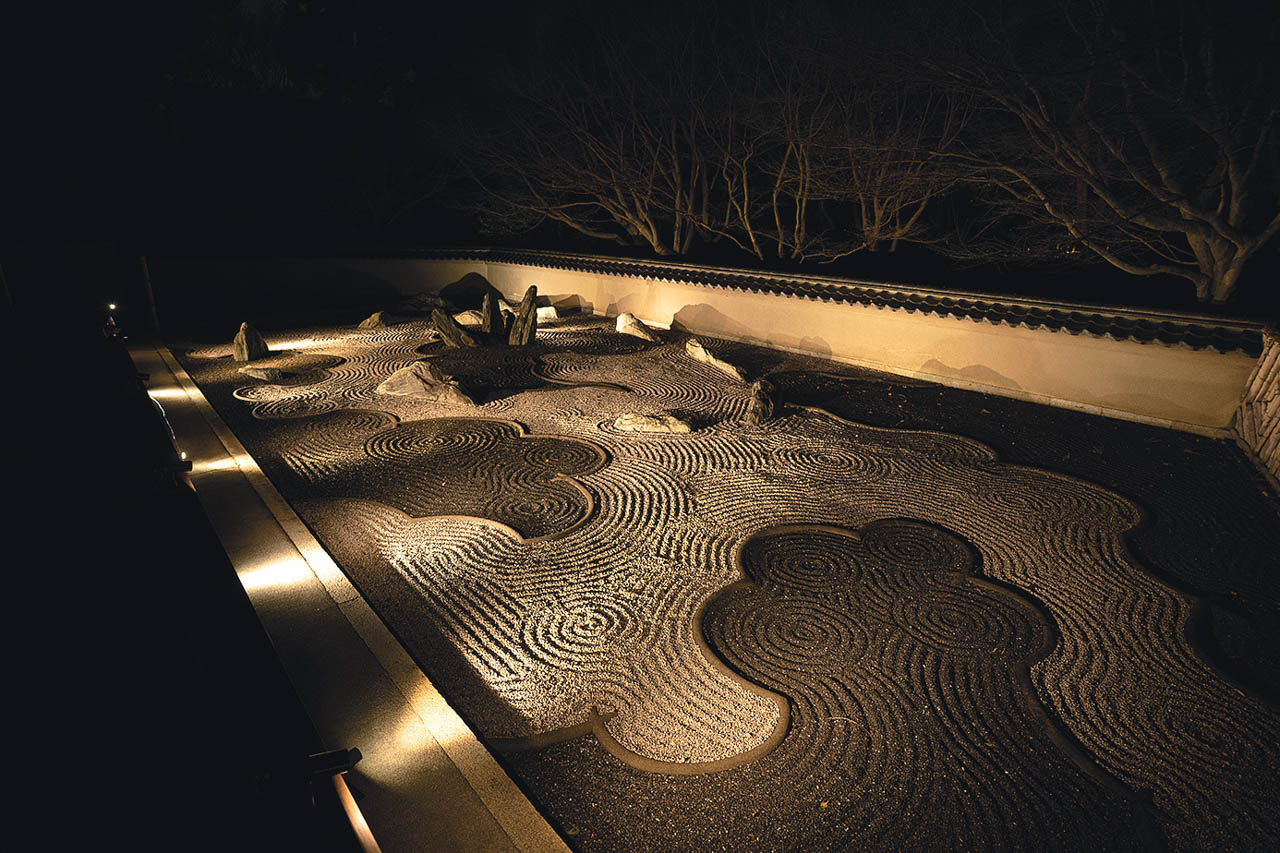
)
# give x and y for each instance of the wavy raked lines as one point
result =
(911, 675)
(672, 511)
(591, 620)
(1122, 675)
(330, 370)
(582, 644)
(661, 377)
(587, 620)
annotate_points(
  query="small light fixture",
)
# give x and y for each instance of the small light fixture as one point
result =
(111, 306)
(178, 465)
(334, 762)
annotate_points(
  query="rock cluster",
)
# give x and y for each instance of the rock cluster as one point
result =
(248, 344)
(663, 422)
(452, 334)
(629, 324)
(422, 380)
(698, 352)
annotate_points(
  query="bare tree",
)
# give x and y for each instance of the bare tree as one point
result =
(780, 134)
(766, 129)
(891, 161)
(604, 141)
(827, 149)
(1144, 134)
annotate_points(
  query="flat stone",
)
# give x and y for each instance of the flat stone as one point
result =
(699, 352)
(248, 344)
(630, 324)
(422, 380)
(548, 312)
(376, 320)
(470, 319)
(663, 422)
(267, 374)
(525, 324)
(451, 332)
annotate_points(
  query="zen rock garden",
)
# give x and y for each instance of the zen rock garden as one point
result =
(693, 591)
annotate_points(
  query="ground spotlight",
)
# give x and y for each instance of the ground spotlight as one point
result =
(334, 762)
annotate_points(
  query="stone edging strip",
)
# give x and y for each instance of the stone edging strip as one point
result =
(517, 817)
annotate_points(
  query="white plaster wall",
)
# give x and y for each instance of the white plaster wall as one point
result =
(1176, 386)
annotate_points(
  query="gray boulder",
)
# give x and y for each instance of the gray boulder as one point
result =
(548, 312)
(762, 404)
(491, 321)
(662, 422)
(630, 324)
(699, 352)
(376, 320)
(248, 344)
(422, 380)
(525, 324)
(452, 334)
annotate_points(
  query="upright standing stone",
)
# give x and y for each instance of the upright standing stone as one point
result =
(248, 344)
(450, 331)
(762, 404)
(526, 322)
(491, 316)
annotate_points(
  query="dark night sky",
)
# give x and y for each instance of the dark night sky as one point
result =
(166, 121)
(165, 126)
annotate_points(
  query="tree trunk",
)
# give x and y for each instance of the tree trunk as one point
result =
(1223, 286)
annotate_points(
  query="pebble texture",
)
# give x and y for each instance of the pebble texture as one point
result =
(971, 652)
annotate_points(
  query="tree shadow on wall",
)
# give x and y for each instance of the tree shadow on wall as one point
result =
(703, 319)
